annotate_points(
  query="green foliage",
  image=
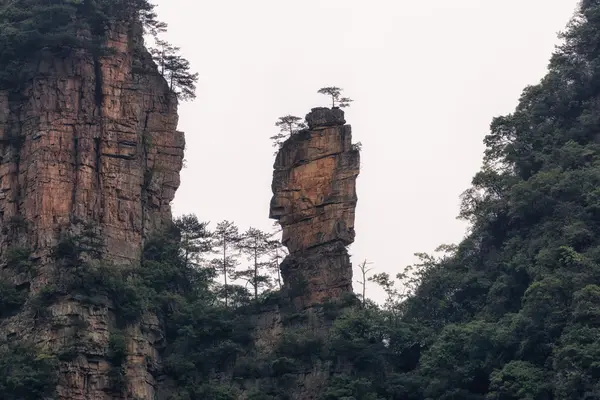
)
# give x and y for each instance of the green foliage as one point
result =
(19, 259)
(11, 299)
(175, 69)
(92, 282)
(117, 355)
(347, 388)
(26, 373)
(336, 99)
(288, 125)
(256, 245)
(512, 311)
(520, 380)
(42, 300)
(301, 344)
(33, 29)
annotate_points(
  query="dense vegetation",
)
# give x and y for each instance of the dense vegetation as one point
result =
(206, 322)
(31, 30)
(512, 312)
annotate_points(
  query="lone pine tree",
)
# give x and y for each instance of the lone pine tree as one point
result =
(226, 236)
(335, 93)
(289, 125)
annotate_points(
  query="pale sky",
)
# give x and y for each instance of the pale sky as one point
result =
(427, 78)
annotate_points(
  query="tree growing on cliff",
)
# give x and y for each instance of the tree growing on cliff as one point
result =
(175, 69)
(225, 238)
(289, 125)
(30, 27)
(336, 99)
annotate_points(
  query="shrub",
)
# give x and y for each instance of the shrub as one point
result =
(11, 299)
(26, 373)
(19, 259)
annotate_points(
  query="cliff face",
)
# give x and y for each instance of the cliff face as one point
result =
(91, 141)
(314, 198)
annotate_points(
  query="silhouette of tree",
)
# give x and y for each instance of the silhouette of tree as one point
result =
(335, 93)
(289, 125)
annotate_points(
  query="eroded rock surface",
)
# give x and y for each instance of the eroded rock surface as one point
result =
(314, 200)
(91, 141)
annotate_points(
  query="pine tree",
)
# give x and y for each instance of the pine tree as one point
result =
(335, 93)
(196, 239)
(289, 125)
(255, 244)
(175, 69)
(225, 238)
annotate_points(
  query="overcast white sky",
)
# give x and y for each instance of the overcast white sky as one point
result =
(427, 77)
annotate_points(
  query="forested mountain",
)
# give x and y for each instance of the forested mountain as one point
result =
(511, 312)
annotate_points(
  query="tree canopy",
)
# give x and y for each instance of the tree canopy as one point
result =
(288, 125)
(32, 29)
(336, 96)
(511, 312)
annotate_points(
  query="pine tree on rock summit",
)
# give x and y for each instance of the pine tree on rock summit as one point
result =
(336, 99)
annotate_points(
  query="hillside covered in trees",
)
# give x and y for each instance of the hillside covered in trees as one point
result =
(511, 312)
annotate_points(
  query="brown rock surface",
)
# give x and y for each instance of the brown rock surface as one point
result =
(314, 200)
(90, 141)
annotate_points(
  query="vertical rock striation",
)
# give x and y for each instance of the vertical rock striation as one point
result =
(92, 141)
(314, 200)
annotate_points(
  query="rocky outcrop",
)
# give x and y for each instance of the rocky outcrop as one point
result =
(92, 141)
(314, 200)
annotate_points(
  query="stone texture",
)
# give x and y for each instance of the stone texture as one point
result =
(323, 116)
(90, 141)
(314, 200)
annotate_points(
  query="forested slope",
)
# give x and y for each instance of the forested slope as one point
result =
(513, 311)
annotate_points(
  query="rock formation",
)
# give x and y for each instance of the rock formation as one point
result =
(91, 141)
(314, 199)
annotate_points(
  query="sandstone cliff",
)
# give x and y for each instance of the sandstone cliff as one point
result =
(92, 141)
(314, 199)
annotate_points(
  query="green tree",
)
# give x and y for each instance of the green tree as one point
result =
(336, 96)
(195, 240)
(256, 245)
(26, 373)
(32, 30)
(226, 236)
(289, 125)
(175, 69)
(520, 380)
(384, 281)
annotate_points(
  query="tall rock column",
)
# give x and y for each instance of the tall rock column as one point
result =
(314, 200)
(92, 141)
